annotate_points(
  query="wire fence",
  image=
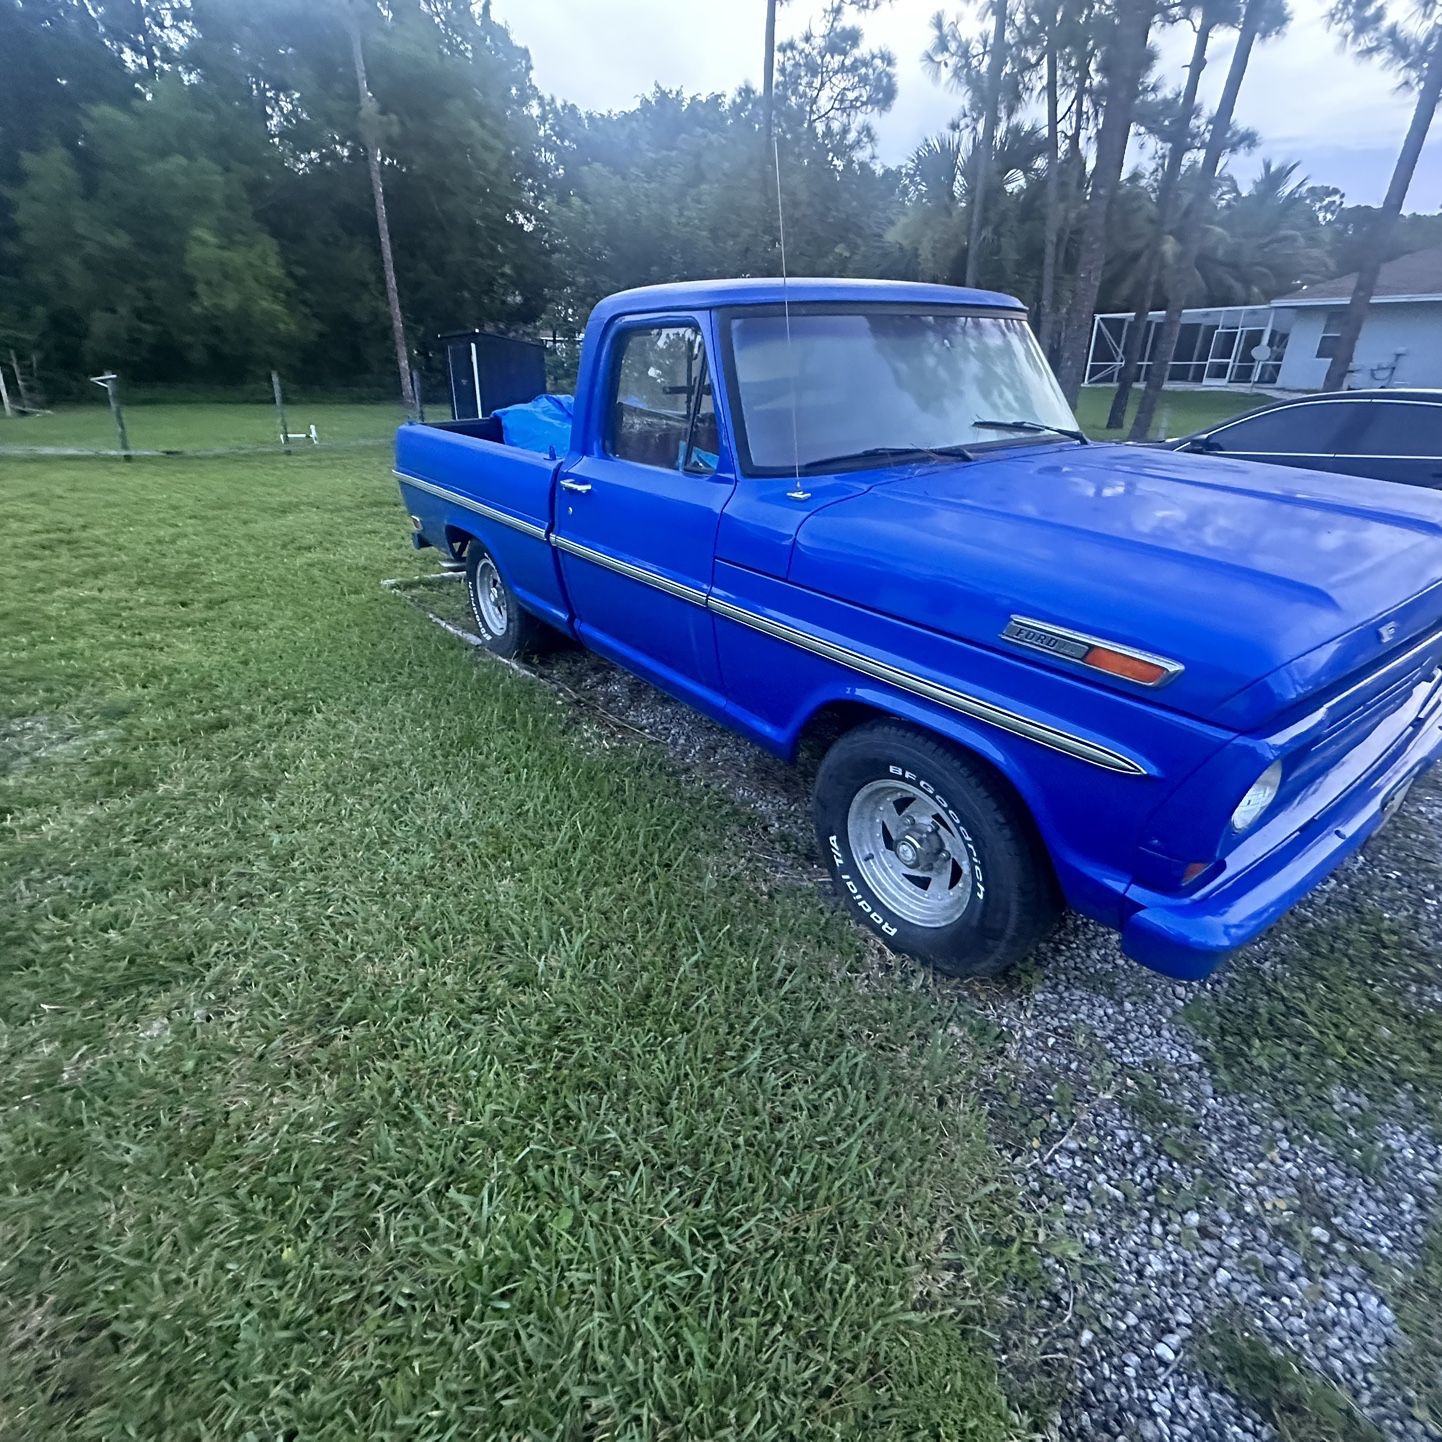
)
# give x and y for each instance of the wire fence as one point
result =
(196, 452)
(115, 418)
(149, 422)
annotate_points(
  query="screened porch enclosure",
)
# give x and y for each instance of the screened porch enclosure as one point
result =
(1237, 346)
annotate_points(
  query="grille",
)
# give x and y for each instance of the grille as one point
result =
(1432, 701)
(1352, 722)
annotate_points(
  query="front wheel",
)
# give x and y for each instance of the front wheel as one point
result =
(930, 852)
(504, 627)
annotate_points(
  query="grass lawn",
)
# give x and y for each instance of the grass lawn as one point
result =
(1179, 413)
(383, 1056)
(198, 427)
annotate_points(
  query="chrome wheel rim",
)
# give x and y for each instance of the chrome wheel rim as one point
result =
(910, 853)
(488, 592)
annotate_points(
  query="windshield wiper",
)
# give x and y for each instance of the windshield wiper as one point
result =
(889, 452)
(1038, 427)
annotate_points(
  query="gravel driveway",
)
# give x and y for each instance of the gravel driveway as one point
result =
(1246, 1169)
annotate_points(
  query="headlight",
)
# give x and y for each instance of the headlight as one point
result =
(1255, 802)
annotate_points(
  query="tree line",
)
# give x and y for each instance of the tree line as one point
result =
(196, 191)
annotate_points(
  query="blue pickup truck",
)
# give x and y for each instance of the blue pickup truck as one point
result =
(1172, 692)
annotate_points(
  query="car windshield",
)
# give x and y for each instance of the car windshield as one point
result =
(867, 381)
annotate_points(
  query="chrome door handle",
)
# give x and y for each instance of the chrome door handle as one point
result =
(581, 487)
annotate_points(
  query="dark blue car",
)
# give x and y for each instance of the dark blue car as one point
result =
(1171, 691)
(1390, 435)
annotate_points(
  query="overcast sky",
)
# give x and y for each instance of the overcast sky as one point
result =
(1310, 101)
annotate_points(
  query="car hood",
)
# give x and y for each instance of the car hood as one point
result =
(1265, 583)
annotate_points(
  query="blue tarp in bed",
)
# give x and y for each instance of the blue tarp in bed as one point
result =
(543, 424)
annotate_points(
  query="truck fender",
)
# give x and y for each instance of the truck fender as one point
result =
(850, 706)
(504, 545)
(827, 715)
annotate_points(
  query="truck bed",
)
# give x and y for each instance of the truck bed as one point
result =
(459, 479)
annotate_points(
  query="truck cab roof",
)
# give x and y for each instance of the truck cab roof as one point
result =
(768, 290)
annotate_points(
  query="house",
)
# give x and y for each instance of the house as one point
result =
(1287, 344)
(1401, 340)
(1234, 345)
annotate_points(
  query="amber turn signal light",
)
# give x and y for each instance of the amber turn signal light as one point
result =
(1118, 663)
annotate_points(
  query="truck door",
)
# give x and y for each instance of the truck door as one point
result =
(636, 515)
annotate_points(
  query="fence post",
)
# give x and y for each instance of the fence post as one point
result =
(5, 396)
(275, 390)
(20, 382)
(108, 380)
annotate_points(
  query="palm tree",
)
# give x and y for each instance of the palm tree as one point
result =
(1415, 50)
(1051, 46)
(370, 139)
(939, 179)
(991, 114)
(1126, 66)
(1051, 226)
(1081, 39)
(1268, 239)
(768, 74)
(1258, 17)
(1131, 242)
(932, 227)
(1179, 143)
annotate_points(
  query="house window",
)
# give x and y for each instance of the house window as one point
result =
(1331, 332)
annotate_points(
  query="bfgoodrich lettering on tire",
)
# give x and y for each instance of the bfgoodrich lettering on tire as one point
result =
(930, 852)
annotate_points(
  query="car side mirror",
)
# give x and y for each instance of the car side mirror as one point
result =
(1205, 445)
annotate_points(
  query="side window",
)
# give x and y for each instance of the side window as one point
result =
(1300, 430)
(1331, 333)
(1400, 428)
(662, 408)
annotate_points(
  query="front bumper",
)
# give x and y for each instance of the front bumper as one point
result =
(1189, 936)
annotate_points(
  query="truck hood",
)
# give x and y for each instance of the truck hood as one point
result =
(1266, 583)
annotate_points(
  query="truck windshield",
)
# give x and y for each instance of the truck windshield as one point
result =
(867, 382)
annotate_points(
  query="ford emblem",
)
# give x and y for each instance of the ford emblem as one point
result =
(1387, 633)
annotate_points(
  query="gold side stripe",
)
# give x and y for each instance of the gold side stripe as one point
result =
(972, 706)
(636, 573)
(528, 528)
(959, 701)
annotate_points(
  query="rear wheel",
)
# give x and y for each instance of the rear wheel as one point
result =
(930, 852)
(504, 627)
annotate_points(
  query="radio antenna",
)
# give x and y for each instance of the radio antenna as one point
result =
(797, 493)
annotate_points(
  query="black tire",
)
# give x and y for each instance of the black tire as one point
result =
(502, 624)
(992, 901)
